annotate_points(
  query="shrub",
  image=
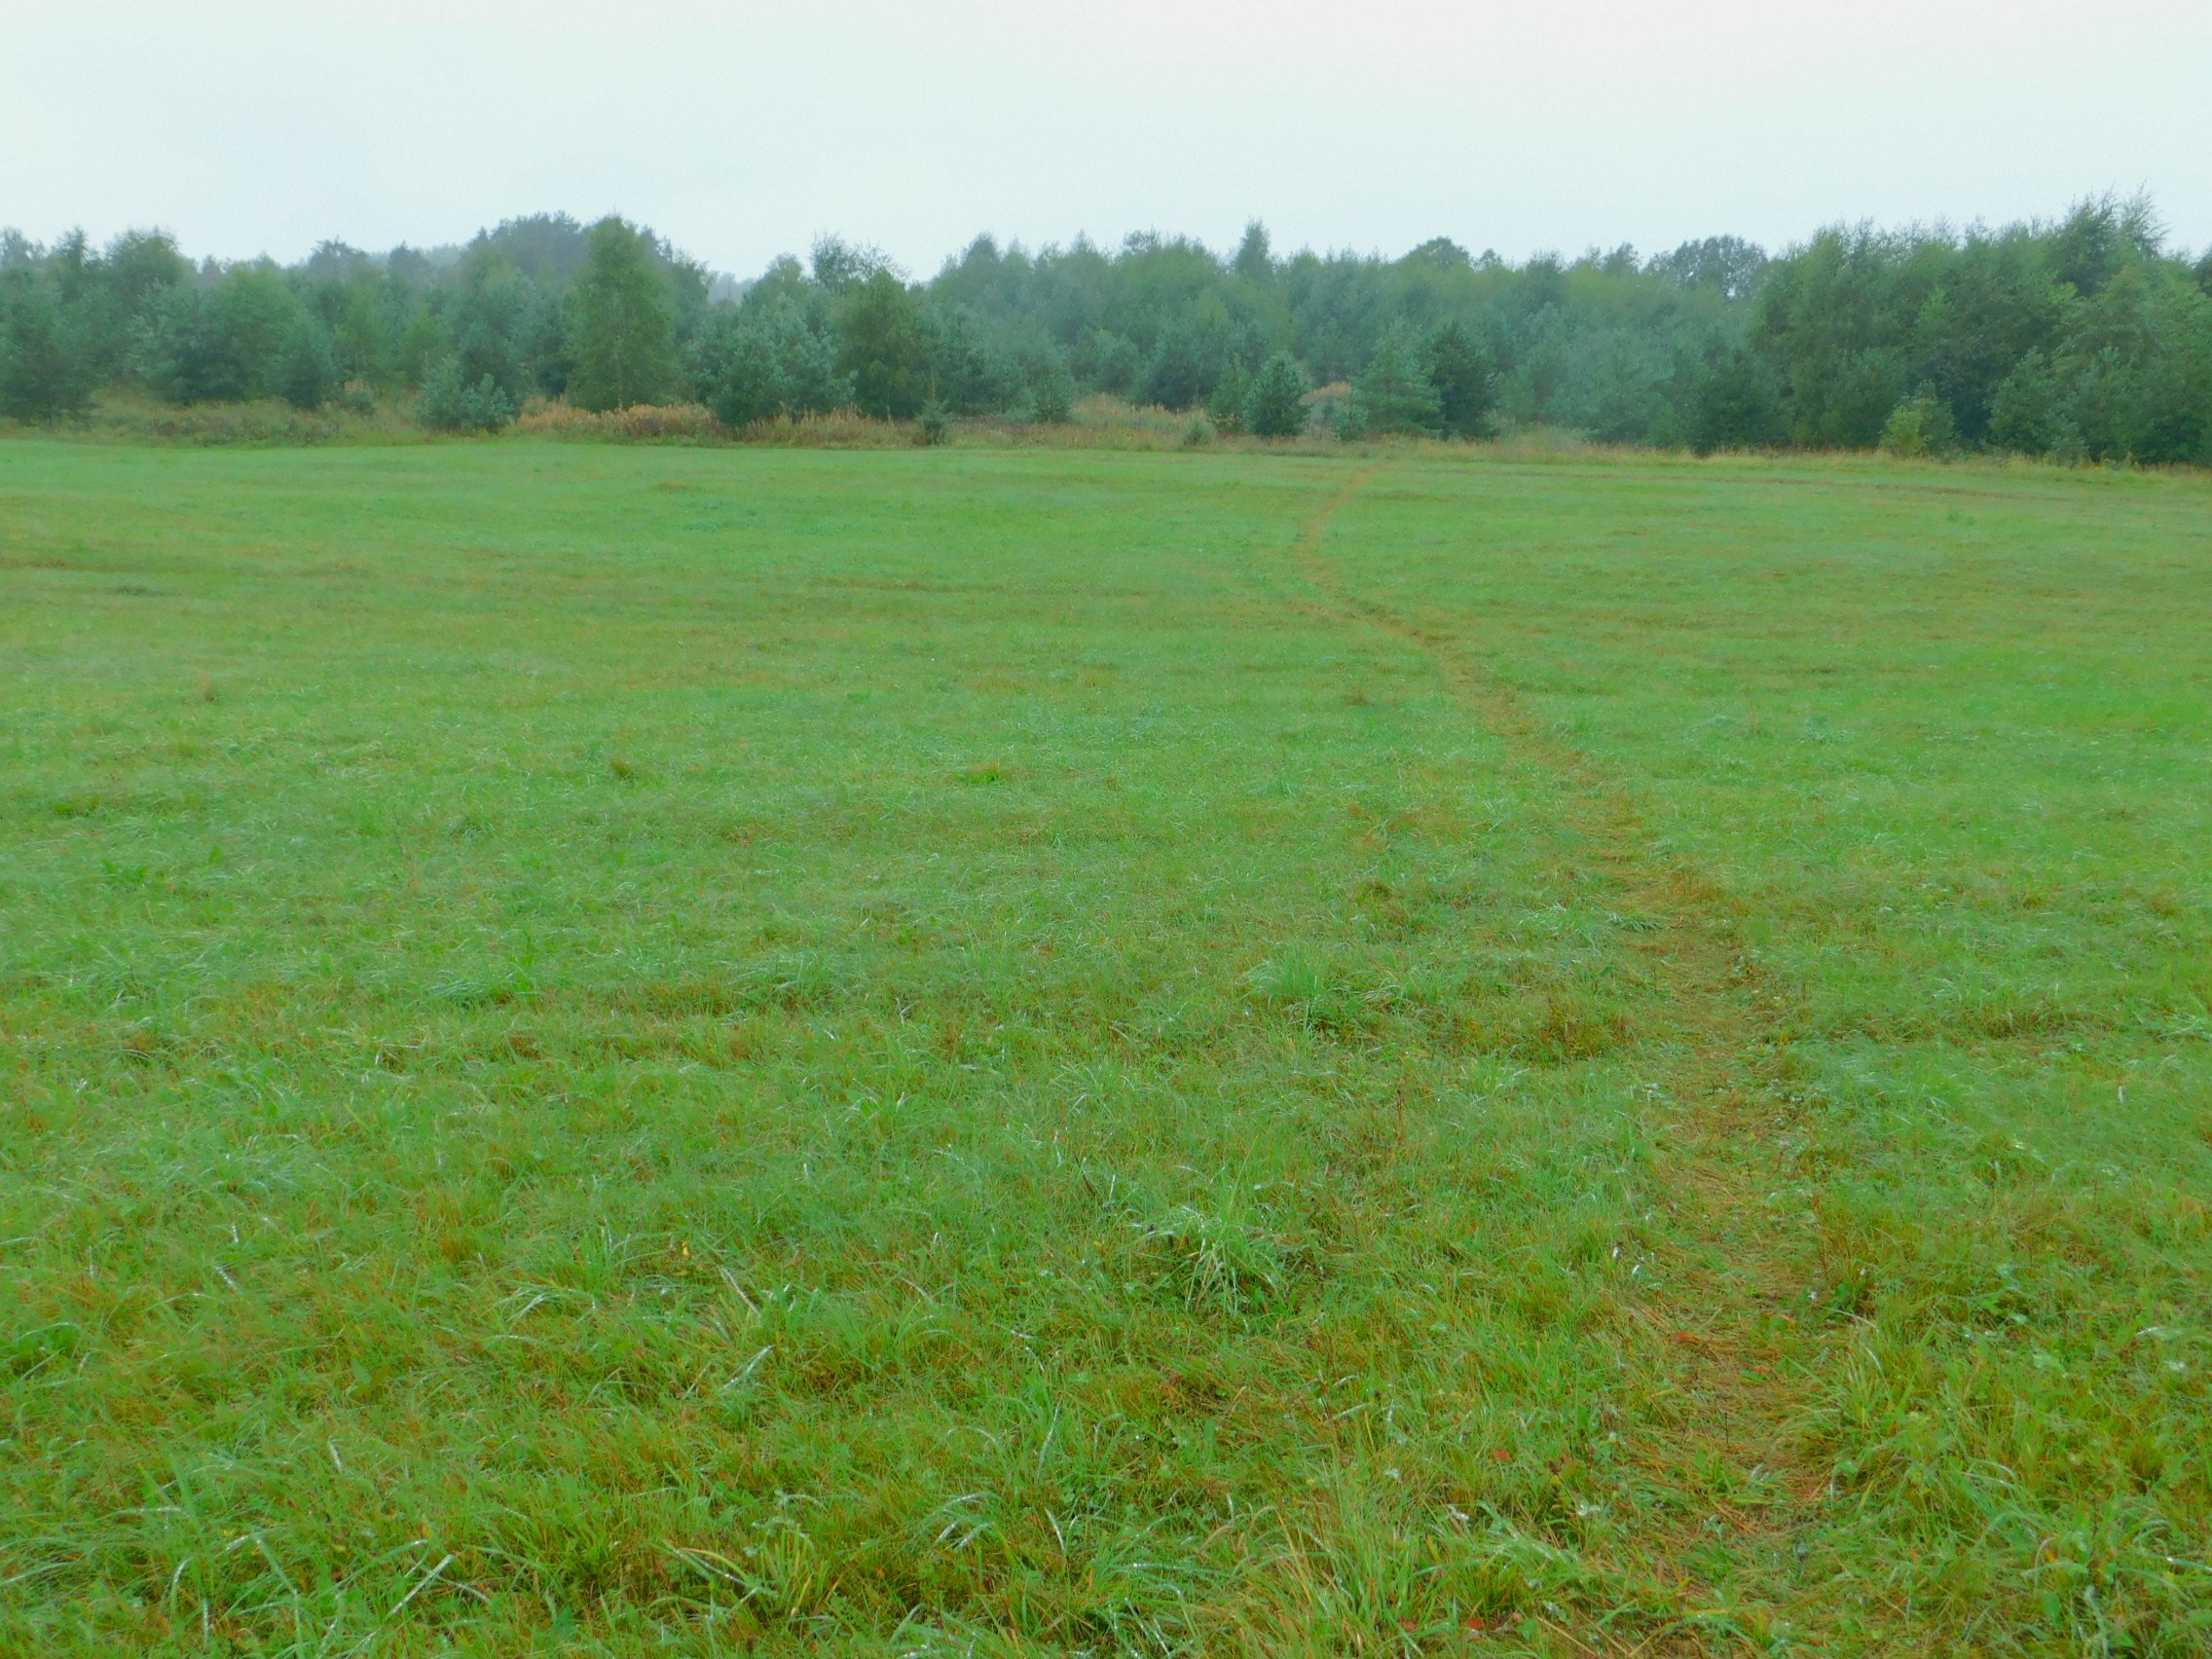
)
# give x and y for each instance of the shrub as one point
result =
(641, 422)
(452, 403)
(1919, 427)
(483, 351)
(1275, 406)
(842, 428)
(268, 422)
(1226, 407)
(934, 426)
(1052, 395)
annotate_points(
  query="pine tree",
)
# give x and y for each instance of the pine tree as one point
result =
(1275, 406)
(1226, 407)
(1459, 367)
(1395, 395)
(735, 368)
(1254, 258)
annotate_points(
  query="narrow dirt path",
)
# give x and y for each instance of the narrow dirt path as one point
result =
(1725, 1314)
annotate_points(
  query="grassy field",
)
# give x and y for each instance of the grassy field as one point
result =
(620, 1050)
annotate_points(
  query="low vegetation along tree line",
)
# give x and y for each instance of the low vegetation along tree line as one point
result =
(2085, 338)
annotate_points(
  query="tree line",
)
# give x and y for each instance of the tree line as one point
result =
(2087, 336)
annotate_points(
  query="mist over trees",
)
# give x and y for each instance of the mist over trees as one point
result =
(2083, 338)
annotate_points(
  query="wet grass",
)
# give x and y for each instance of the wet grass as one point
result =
(647, 1050)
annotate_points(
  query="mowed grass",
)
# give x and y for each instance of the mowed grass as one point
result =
(618, 1051)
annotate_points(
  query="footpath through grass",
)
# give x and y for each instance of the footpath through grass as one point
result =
(619, 1050)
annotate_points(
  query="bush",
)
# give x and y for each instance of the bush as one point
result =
(483, 351)
(452, 403)
(1275, 406)
(1197, 432)
(934, 426)
(1920, 427)
(641, 422)
(267, 423)
(1052, 400)
(1226, 407)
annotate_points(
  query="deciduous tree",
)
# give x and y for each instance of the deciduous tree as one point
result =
(625, 347)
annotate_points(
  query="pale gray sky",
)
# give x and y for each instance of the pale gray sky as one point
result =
(741, 130)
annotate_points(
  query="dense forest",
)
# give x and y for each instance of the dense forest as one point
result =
(2085, 338)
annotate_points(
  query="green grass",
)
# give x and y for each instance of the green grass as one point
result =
(615, 1051)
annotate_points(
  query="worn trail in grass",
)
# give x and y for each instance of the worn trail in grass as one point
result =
(626, 1051)
(1730, 1276)
(1928, 932)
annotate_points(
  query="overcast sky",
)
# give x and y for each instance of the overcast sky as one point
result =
(741, 130)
